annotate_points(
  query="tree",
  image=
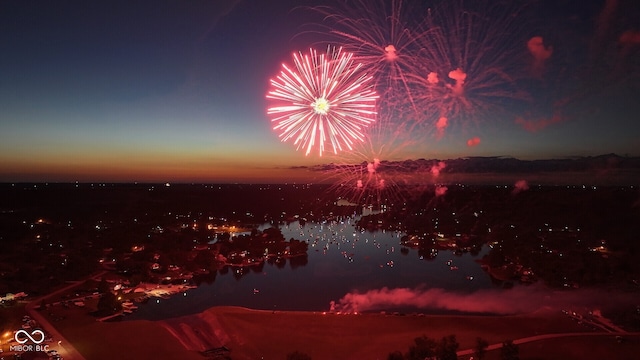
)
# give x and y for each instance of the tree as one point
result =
(447, 348)
(424, 347)
(103, 285)
(481, 347)
(509, 351)
(108, 304)
(396, 355)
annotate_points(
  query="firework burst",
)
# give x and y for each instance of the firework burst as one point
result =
(383, 36)
(325, 99)
(472, 57)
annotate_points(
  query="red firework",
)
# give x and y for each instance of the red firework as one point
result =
(325, 98)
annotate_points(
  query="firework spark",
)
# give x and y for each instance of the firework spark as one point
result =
(326, 98)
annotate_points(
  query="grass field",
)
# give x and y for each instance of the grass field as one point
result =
(256, 334)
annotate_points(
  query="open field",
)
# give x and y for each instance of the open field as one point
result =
(119, 340)
(256, 334)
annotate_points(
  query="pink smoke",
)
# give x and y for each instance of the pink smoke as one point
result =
(435, 169)
(390, 52)
(459, 76)
(537, 125)
(517, 300)
(441, 125)
(432, 78)
(473, 141)
(540, 53)
(441, 190)
(520, 186)
(372, 167)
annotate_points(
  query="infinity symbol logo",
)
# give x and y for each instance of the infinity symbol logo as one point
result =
(34, 332)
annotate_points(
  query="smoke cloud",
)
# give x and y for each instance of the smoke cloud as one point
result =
(442, 124)
(520, 186)
(441, 190)
(540, 53)
(518, 300)
(435, 169)
(459, 76)
(537, 125)
(432, 78)
(473, 141)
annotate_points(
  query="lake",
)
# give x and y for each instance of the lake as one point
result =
(341, 260)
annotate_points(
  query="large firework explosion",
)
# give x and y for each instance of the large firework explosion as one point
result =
(324, 99)
(457, 64)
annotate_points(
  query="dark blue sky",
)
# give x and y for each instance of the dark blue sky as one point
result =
(175, 90)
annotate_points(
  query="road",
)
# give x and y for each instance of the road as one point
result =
(549, 336)
(64, 347)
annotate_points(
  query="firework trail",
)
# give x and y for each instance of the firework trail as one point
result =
(325, 99)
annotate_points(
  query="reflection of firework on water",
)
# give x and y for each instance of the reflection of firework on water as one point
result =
(382, 35)
(472, 53)
(326, 98)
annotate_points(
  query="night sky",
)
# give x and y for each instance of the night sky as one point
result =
(175, 90)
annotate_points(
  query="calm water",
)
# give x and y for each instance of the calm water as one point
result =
(341, 260)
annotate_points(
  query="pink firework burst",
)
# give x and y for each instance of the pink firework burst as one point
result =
(325, 99)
